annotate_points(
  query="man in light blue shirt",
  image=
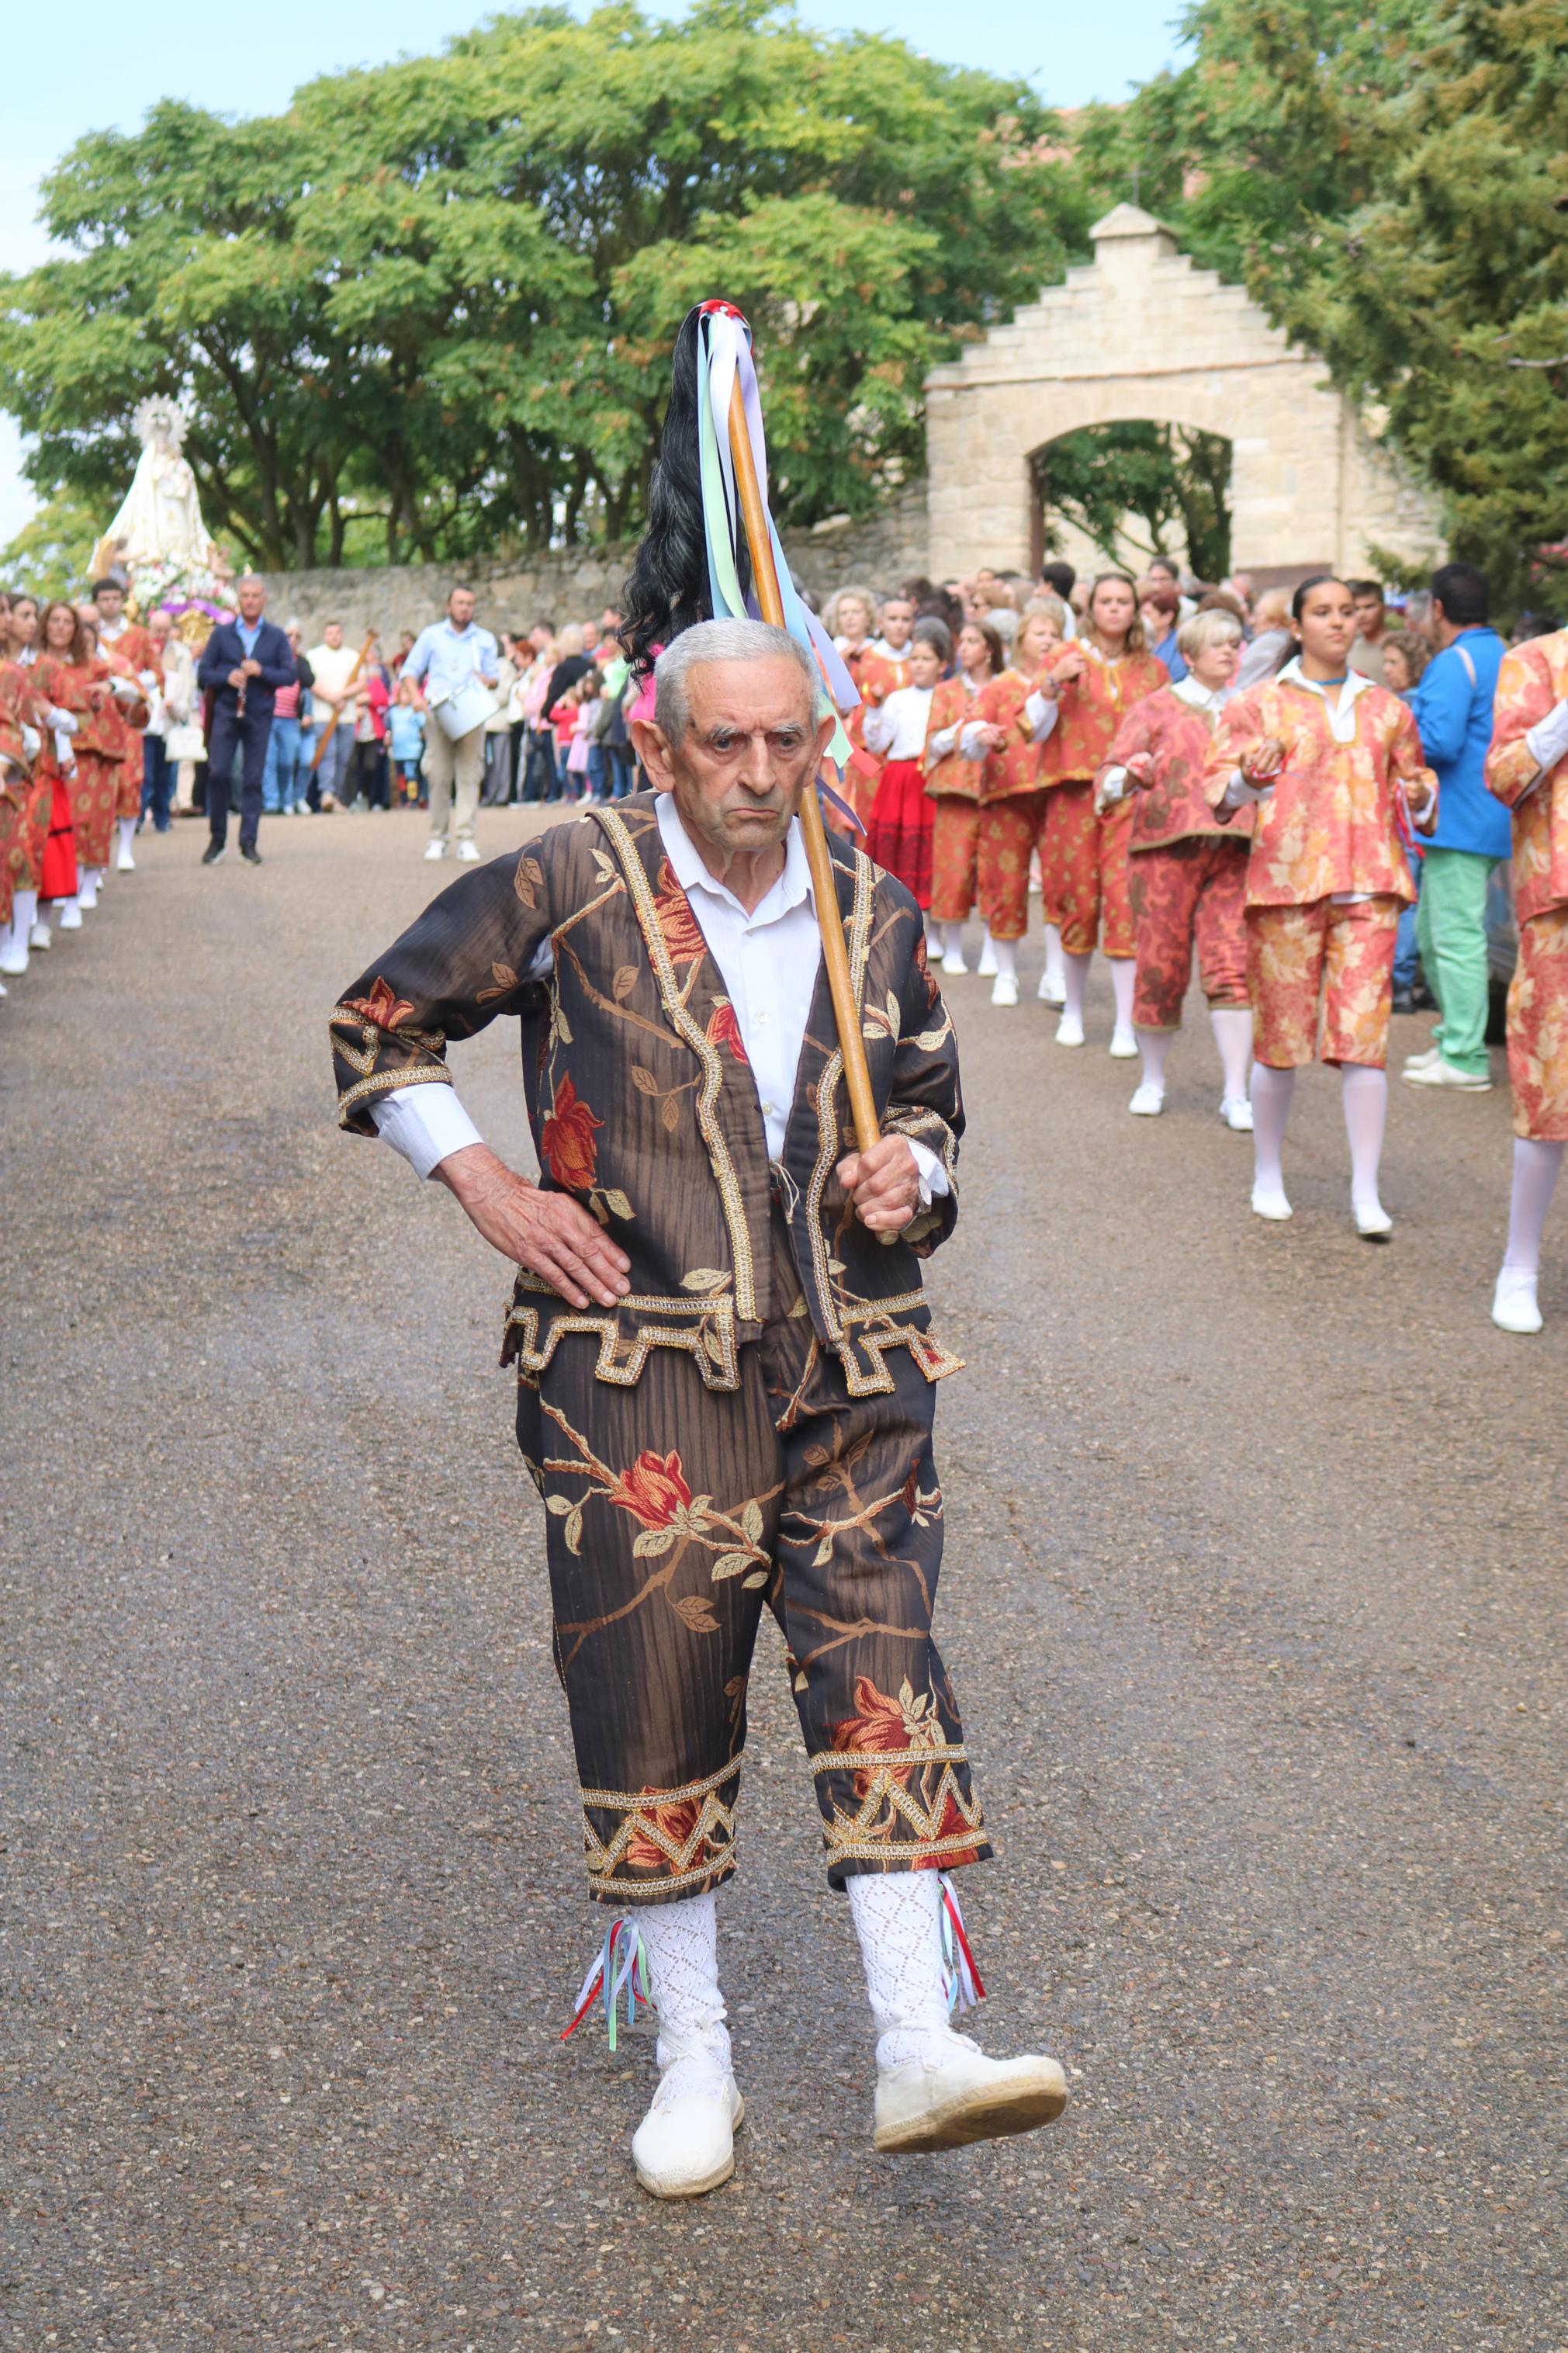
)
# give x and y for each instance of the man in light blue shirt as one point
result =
(1453, 708)
(449, 658)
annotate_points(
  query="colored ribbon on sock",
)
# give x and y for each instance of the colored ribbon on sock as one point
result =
(960, 1975)
(724, 357)
(622, 1962)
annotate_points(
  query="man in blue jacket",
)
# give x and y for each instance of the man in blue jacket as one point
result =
(1453, 708)
(245, 661)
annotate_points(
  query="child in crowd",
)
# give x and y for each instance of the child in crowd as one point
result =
(407, 725)
(898, 836)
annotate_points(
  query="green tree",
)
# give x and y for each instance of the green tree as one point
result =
(437, 298)
(1172, 479)
(49, 555)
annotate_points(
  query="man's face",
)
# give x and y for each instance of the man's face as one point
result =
(751, 745)
(111, 604)
(158, 628)
(539, 637)
(252, 598)
(1369, 614)
(590, 636)
(333, 635)
(897, 621)
(460, 605)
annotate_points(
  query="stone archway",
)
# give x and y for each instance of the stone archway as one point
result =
(1141, 333)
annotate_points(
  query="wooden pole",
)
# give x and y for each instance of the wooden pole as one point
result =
(327, 732)
(824, 886)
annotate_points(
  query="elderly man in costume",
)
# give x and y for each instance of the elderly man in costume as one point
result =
(724, 1357)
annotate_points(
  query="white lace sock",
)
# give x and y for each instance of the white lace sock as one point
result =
(1271, 1093)
(1054, 966)
(1233, 1036)
(898, 1918)
(681, 1940)
(1366, 1113)
(1123, 972)
(1006, 955)
(1154, 1045)
(1075, 980)
(1535, 1169)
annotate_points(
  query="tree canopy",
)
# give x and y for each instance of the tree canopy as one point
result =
(434, 301)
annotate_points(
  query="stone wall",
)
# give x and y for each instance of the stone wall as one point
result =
(571, 586)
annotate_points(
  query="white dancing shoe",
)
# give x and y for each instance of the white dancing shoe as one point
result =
(86, 897)
(1237, 1115)
(685, 2145)
(436, 850)
(1004, 988)
(69, 918)
(1053, 988)
(1149, 1101)
(468, 852)
(125, 863)
(954, 2095)
(986, 968)
(1268, 1201)
(952, 963)
(1372, 1222)
(1124, 1046)
(13, 954)
(40, 936)
(1514, 1307)
(1069, 1030)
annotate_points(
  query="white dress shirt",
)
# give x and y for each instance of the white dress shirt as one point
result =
(768, 962)
(897, 729)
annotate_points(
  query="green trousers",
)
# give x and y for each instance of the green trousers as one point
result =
(1450, 925)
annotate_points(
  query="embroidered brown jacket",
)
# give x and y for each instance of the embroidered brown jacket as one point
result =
(642, 1106)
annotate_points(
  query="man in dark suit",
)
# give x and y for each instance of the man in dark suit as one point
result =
(244, 663)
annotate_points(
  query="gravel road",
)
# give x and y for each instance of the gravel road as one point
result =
(1256, 1562)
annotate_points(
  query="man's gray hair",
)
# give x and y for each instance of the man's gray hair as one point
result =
(719, 641)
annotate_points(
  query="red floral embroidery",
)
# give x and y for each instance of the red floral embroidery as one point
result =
(566, 1140)
(681, 933)
(724, 1029)
(381, 1006)
(880, 1722)
(654, 1490)
(950, 1826)
(676, 1823)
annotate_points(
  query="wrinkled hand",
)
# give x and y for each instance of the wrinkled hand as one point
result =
(884, 1184)
(1264, 762)
(549, 1233)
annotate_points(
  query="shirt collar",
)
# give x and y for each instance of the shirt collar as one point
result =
(1356, 684)
(1202, 698)
(792, 888)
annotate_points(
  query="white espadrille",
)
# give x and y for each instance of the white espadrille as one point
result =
(955, 2094)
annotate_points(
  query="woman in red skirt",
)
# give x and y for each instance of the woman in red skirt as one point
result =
(899, 833)
(60, 682)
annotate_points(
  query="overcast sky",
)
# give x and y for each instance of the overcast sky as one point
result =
(248, 61)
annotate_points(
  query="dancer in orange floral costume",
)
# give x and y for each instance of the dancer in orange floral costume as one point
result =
(953, 782)
(1333, 765)
(724, 1357)
(105, 745)
(21, 835)
(129, 649)
(62, 683)
(1527, 768)
(1187, 868)
(1080, 702)
(1012, 804)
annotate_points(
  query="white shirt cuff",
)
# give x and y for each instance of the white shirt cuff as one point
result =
(425, 1123)
(938, 745)
(969, 743)
(1041, 714)
(934, 1186)
(1114, 785)
(1547, 741)
(1239, 793)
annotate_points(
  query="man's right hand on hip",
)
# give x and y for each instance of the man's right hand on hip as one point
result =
(549, 1233)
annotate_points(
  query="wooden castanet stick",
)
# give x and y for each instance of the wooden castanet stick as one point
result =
(327, 732)
(835, 953)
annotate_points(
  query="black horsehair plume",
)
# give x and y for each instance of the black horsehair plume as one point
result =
(668, 589)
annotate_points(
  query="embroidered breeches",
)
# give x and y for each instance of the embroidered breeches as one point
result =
(675, 1513)
(1538, 1027)
(1010, 830)
(955, 852)
(1321, 978)
(1188, 893)
(1084, 871)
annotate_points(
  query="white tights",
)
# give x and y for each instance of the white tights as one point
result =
(1075, 980)
(1365, 1096)
(1006, 955)
(1535, 1169)
(1054, 971)
(1232, 1026)
(1154, 1045)
(1123, 972)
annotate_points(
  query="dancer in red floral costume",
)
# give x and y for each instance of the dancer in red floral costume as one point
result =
(724, 1357)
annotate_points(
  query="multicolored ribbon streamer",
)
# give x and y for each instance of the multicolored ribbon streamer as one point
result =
(724, 356)
(958, 1967)
(622, 1963)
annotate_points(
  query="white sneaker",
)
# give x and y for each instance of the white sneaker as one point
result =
(1270, 1202)
(468, 852)
(1124, 1046)
(1424, 1061)
(69, 918)
(1004, 988)
(1053, 988)
(1439, 1073)
(1372, 1222)
(1514, 1307)
(40, 936)
(953, 962)
(685, 2145)
(986, 968)
(434, 850)
(957, 2096)
(125, 863)
(1149, 1101)
(1237, 1115)
(1069, 1030)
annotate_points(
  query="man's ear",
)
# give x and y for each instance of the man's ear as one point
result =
(652, 749)
(824, 733)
